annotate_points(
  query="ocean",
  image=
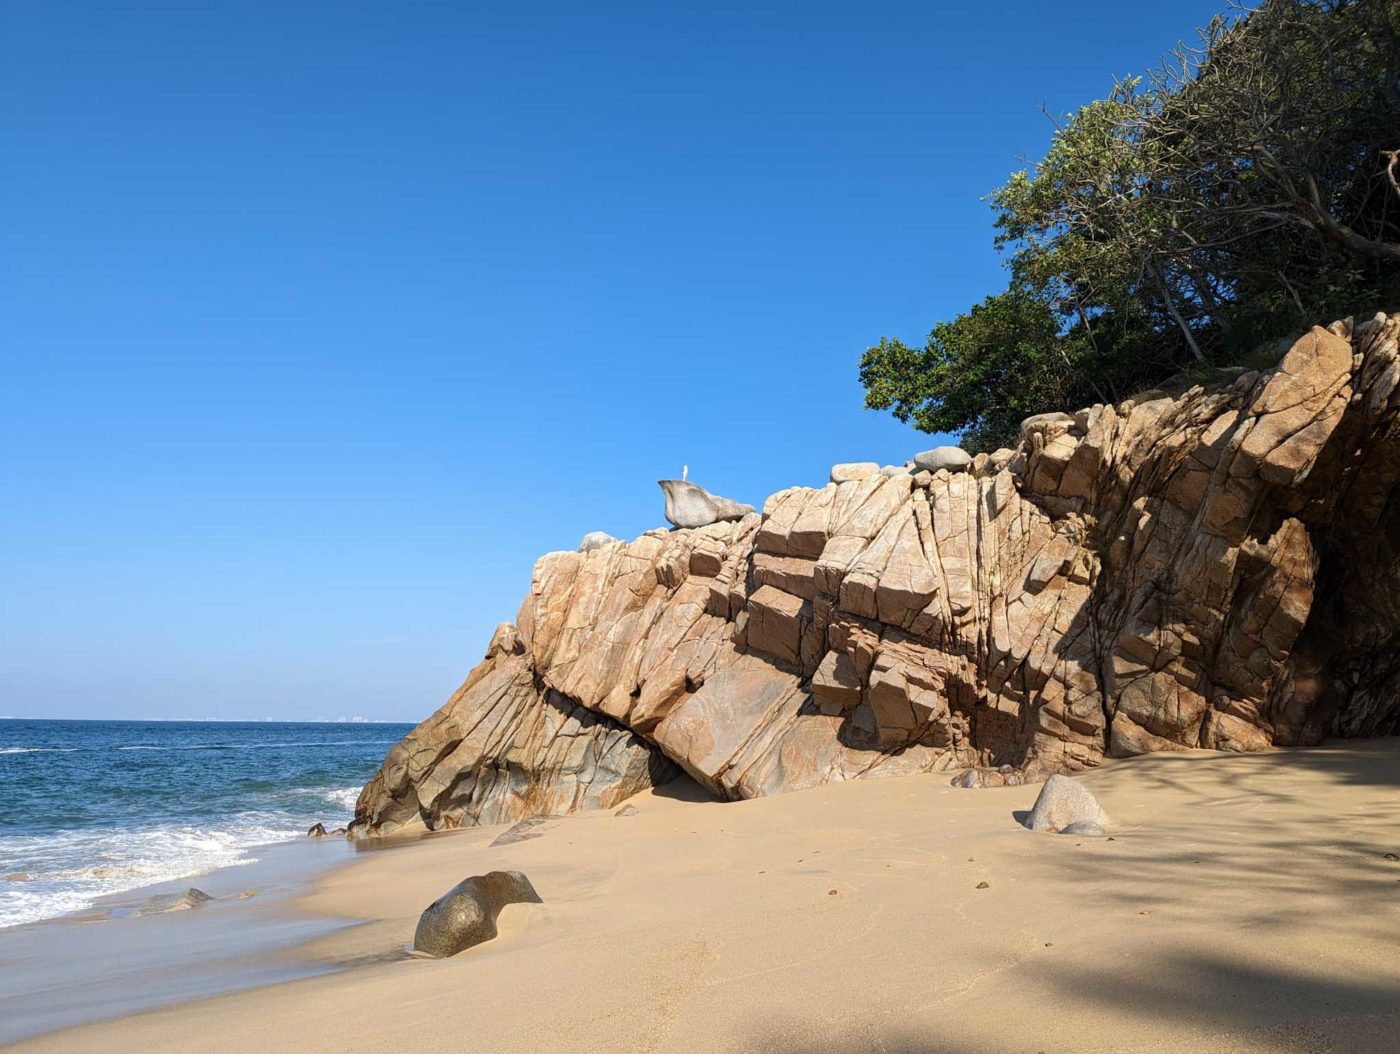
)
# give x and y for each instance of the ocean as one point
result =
(89, 808)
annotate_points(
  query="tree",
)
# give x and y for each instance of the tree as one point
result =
(1242, 190)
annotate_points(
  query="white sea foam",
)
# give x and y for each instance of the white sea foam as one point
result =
(344, 798)
(45, 876)
(37, 750)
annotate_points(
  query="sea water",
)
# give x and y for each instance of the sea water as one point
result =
(89, 808)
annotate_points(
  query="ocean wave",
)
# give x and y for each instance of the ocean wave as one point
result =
(38, 750)
(345, 798)
(68, 871)
(60, 878)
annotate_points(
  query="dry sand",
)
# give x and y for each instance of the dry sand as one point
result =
(1244, 904)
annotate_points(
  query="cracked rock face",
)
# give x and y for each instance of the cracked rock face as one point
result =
(1218, 569)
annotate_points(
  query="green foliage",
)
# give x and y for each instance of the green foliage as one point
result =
(1240, 192)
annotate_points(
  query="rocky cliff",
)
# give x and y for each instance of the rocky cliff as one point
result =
(1216, 568)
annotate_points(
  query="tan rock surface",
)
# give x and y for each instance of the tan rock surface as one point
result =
(1216, 569)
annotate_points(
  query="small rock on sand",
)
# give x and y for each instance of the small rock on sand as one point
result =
(520, 832)
(626, 810)
(167, 902)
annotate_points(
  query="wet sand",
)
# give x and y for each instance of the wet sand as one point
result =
(1244, 903)
(105, 961)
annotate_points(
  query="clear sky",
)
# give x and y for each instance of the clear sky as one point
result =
(319, 322)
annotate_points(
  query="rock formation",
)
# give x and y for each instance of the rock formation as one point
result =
(1064, 805)
(952, 458)
(596, 540)
(852, 471)
(465, 916)
(520, 832)
(688, 505)
(1216, 568)
(164, 903)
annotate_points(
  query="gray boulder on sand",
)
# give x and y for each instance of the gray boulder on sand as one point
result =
(1063, 803)
(595, 540)
(466, 915)
(688, 505)
(952, 458)
(165, 902)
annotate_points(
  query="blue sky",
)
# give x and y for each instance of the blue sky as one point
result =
(320, 322)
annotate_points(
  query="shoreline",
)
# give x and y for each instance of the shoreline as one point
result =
(1244, 903)
(103, 962)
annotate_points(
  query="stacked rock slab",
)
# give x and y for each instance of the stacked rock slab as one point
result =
(1215, 568)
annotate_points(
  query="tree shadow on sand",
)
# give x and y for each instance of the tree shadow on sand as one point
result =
(1269, 920)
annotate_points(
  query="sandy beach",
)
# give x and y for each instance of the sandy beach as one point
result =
(1244, 903)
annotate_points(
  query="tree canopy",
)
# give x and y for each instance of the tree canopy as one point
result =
(1242, 190)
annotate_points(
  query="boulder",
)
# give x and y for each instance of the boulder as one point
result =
(689, 505)
(1064, 802)
(316, 830)
(853, 471)
(505, 641)
(1004, 777)
(167, 902)
(466, 915)
(521, 832)
(1085, 829)
(1055, 421)
(951, 458)
(596, 540)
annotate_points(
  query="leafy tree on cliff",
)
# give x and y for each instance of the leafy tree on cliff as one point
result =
(1246, 188)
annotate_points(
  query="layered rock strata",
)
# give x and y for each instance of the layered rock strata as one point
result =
(1217, 568)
